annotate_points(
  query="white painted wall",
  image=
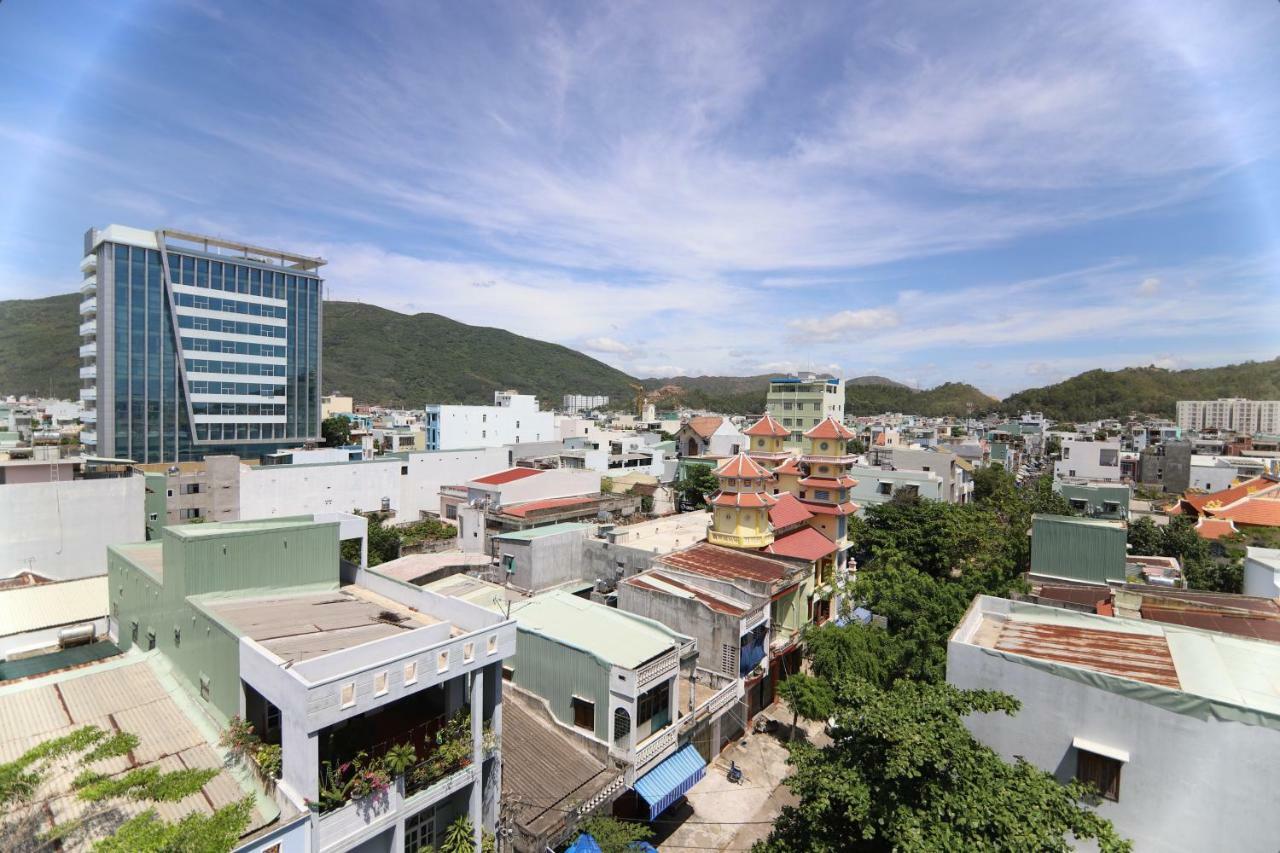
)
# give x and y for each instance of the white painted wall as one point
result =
(1211, 476)
(514, 419)
(62, 530)
(555, 483)
(428, 471)
(1081, 460)
(1262, 572)
(1189, 785)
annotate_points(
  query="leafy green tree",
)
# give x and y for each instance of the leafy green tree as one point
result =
(807, 697)
(606, 485)
(613, 835)
(905, 774)
(336, 430)
(696, 485)
(937, 538)
(1144, 537)
(384, 542)
(853, 650)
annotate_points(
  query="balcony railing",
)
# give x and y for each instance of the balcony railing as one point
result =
(89, 263)
(89, 372)
(661, 668)
(89, 286)
(89, 327)
(88, 416)
(88, 436)
(655, 747)
(88, 393)
(88, 350)
(89, 306)
(355, 818)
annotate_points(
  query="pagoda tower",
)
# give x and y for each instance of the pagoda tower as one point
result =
(765, 441)
(740, 510)
(826, 481)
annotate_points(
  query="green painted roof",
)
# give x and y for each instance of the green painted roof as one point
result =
(548, 530)
(612, 635)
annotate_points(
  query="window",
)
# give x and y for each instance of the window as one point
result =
(442, 661)
(404, 470)
(168, 493)
(204, 687)
(1100, 771)
(584, 713)
(508, 673)
(491, 645)
(509, 563)
(884, 488)
(153, 516)
(655, 705)
(1079, 504)
(133, 630)
(411, 673)
(380, 683)
(420, 830)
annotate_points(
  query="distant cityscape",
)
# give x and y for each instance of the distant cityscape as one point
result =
(525, 624)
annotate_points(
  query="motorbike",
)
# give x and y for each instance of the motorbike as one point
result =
(735, 773)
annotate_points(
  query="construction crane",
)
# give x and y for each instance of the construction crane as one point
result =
(641, 398)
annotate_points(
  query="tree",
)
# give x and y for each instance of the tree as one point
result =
(807, 697)
(606, 485)
(336, 431)
(853, 650)
(1144, 537)
(698, 482)
(613, 835)
(384, 542)
(107, 798)
(905, 774)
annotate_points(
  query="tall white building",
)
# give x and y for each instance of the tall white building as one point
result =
(512, 419)
(1234, 414)
(584, 402)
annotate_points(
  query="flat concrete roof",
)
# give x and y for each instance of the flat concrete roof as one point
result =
(299, 627)
(148, 556)
(410, 567)
(546, 530)
(664, 535)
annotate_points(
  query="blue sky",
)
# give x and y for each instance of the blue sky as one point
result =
(993, 193)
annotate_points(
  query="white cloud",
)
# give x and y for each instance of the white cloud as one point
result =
(1150, 287)
(834, 326)
(604, 344)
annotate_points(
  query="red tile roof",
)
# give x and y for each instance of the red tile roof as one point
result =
(705, 425)
(743, 500)
(767, 427)
(844, 482)
(791, 466)
(524, 509)
(508, 476)
(743, 466)
(829, 428)
(788, 511)
(717, 562)
(1214, 528)
(1260, 512)
(846, 508)
(804, 544)
(1226, 497)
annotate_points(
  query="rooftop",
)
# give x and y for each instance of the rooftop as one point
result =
(665, 582)
(1231, 677)
(540, 532)
(508, 476)
(807, 543)
(138, 696)
(662, 535)
(49, 605)
(705, 425)
(788, 511)
(611, 635)
(727, 563)
(412, 567)
(527, 508)
(300, 627)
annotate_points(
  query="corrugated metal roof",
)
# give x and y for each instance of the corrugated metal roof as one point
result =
(548, 530)
(508, 476)
(714, 561)
(659, 581)
(30, 608)
(614, 636)
(1137, 656)
(671, 779)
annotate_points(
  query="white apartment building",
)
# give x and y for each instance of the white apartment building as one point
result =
(583, 402)
(1233, 414)
(1083, 459)
(513, 418)
(1179, 728)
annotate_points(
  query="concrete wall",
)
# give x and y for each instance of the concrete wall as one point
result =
(1082, 460)
(611, 563)
(1189, 784)
(543, 562)
(429, 471)
(1212, 478)
(1262, 572)
(62, 530)
(560, 483)
(713, 631)
(867, 491)
(282, 490)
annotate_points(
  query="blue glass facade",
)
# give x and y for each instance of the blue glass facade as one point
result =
(241, 338)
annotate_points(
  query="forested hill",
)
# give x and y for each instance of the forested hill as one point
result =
(1149, 390)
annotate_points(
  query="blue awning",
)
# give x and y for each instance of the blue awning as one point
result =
(671, 779)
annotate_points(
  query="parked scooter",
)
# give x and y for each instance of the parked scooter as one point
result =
(735, 773)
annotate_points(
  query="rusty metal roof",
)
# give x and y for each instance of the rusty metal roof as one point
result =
(717, 562)
(1136, 656)
(659, 581)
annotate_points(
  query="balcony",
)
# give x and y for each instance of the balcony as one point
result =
(88, 350)
(89, 327)
(88, 416)
(89, 307)
(360, 818)
(89, 263)
(89, 286)
(89, 372)
(88, 393)
(88, 436)
(740, 540)
(655, 749)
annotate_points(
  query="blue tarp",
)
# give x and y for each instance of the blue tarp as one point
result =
(584, 844)
(860, 614)
(671, 779)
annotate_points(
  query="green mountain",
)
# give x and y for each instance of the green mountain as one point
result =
(1148, 390)
(381, 356)
(39, 346)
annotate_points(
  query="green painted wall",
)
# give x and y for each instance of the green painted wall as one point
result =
(1097, 495)
(208, 560)
(1068, 547)
(557, 673)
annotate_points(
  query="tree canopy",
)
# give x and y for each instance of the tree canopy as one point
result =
(696, 484)
(903, 773)
(336, 431)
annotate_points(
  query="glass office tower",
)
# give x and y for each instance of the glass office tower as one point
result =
(193, 345)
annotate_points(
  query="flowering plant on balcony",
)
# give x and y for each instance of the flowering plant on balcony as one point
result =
(452, 752)
(360, 777)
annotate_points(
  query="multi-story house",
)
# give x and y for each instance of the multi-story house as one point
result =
(1086, 459)
(257, 624)
(803, 402)
(191, 345)
(514, 418)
